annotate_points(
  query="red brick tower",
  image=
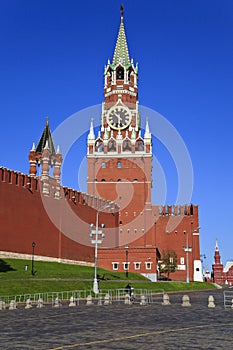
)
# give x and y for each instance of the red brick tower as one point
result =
(217, 267)
(44, 154)
(120, 157)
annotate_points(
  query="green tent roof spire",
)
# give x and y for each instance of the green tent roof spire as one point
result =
(121, 53)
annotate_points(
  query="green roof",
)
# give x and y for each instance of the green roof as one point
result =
(46, 137)
(121, 53)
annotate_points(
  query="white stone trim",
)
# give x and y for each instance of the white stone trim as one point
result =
(12, 255)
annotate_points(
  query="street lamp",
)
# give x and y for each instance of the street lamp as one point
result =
(203, 257)
(188, 249)
(126, 261)
(33, 248)
(98, 238)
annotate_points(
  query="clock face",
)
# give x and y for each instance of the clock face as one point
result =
(118, 118)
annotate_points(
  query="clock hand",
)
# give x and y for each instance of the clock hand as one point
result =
(119, 117)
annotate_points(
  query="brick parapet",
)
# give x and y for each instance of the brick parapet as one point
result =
(33, 183)
(175, 210)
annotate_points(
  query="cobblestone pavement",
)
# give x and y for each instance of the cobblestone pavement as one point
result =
(119, 326)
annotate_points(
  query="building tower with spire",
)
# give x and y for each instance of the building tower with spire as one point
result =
(120, 170)
(45, 155)
(120, 156)
(218, 267)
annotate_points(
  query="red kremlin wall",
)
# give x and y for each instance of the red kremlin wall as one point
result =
(23, 219)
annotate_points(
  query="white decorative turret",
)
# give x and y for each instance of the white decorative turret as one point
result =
(105, 134)
(91, 135)
(33, 147)
(216, 245)
(147, 136)
(133, 134)
(119, 136)
(46, 145)
(58, 151)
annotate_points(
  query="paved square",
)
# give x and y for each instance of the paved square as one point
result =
(121, 326)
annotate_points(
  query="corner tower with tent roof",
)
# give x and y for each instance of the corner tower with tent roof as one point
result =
(44, 155)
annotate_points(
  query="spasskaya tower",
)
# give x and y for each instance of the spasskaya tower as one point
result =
(120, 156)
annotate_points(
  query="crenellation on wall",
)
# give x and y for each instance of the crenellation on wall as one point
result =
(178, 210)
(18, 179)
(87, 199)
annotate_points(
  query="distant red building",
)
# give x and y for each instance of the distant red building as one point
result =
(221, 274)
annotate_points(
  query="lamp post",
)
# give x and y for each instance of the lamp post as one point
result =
(187, 250)
(33, 248)
(203, 257)
(97, 236)
(126, 262)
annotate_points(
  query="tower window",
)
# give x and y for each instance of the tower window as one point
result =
(118, 165)
(127, 145)
(120, 73)
(103, 165)
(98, 146)
(103, 180)
(119, 180)
(135, 180)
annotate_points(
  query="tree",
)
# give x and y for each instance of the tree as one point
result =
(168, 262)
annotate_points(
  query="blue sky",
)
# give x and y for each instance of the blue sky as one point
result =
(52, 59)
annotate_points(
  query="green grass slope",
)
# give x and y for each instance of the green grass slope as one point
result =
(55, 277)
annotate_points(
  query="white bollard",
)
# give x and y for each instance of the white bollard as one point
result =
(89, 300)
(127, 299)
(28, 304)
(72, 302)
(166, 300)
(211, 303)
(40, 303)
(186, 301)
(143, 300)
(2, 305)
(13, 305)
(107, 299)
(57, 303)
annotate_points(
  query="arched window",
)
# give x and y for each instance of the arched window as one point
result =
(103, 180)
(139, 145)
(99, 146)
(119, 180)
(103, 165)
(120, 73)
(111, 145)
(127, 145)
(119, 165)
